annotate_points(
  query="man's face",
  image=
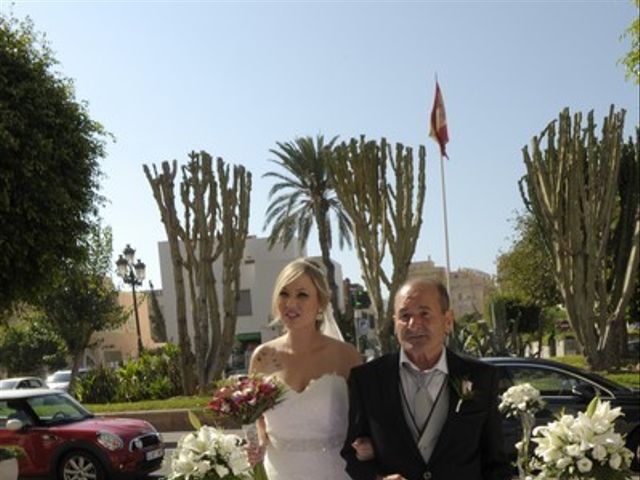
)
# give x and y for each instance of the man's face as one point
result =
(420, 324)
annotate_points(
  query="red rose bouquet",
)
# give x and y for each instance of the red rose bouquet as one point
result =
(244, 400)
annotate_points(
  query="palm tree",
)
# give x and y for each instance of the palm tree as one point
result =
(306, 196)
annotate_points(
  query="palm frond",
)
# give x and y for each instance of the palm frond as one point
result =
(301, 187)
(286, 181)
(345, 229)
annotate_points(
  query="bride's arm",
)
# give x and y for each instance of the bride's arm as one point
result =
(257, 366)
(262, 432)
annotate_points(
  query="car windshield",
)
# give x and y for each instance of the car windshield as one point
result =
(7, 384)
(60, 377)
(58, 408)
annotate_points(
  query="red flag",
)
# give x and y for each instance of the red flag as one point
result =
(438, 129)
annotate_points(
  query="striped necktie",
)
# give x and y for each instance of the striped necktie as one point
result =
(422, 401)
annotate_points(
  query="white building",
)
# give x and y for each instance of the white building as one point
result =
(258, 274)
(469, 287)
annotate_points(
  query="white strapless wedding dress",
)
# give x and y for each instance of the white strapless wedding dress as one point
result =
(307, 430)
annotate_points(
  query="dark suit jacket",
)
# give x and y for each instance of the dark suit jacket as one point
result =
(470, 445)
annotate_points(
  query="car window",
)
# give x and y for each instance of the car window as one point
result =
(35, 383)
(9, 410)
(7, 384)
(55, 408)
(61, 377)
(548, 381)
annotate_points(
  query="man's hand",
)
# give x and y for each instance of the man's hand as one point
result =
(363, 448)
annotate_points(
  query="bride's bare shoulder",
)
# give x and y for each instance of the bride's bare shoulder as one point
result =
(347, 353)
(265, 359)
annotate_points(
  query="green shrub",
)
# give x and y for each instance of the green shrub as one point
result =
(99, 385)
(11, 451)
(131, 378)
(153, 376)
(573, 360)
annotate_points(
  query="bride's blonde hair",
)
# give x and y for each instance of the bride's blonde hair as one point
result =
(292, 271)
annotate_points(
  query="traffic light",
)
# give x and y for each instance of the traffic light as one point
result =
(362, 300)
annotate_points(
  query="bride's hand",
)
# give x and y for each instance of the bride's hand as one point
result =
(363, 448)
(255, 453)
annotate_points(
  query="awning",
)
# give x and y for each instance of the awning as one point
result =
(249, 337)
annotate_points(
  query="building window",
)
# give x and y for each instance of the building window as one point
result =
(113, 358)
(244, 303)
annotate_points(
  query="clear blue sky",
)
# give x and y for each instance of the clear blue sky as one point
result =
(233, 78)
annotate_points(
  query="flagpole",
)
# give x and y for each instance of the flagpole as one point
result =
(438, 130)
(446, 227)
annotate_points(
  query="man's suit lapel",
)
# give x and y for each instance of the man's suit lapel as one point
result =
(392, 403)
(457, 370)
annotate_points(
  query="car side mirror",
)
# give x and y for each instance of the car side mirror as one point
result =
(14, 424)
(584, 391)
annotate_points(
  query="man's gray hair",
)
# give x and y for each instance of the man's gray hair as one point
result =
(419, 282)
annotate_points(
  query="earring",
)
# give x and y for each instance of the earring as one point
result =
(319, 316)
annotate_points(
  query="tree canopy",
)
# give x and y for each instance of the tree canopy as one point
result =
(84, 300)
(49, 170)
(27, 339)
(525, 271)
(631, 60)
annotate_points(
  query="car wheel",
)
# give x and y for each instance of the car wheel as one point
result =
(80, 465)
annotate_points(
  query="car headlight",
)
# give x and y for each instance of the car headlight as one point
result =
(110, 441)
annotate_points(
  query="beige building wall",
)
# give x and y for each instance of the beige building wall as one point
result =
(116, 346)
(469, 287)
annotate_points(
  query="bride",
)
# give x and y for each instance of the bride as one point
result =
(303, 434)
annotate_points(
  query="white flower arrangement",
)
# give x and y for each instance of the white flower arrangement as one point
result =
(582, 447)
(520, 399)
(209, 454)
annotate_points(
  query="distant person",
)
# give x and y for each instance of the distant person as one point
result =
(425, 412)
(304, 433)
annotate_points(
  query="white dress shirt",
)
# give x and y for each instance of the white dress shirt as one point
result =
(426, 437)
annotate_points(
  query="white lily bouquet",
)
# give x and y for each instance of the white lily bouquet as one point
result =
(209, 454)
(522, 401)
(582, 447)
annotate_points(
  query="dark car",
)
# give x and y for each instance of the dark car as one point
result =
(567, 388)
(64, 441)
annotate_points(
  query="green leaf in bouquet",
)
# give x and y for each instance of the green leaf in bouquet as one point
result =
(195, 421)
(593, 404)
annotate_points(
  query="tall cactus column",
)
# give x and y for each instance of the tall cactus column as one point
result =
(583, 192)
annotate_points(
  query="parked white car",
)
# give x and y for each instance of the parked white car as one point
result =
(21, 382)
(59, 380)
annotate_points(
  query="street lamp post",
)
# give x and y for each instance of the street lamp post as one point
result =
(132, 274)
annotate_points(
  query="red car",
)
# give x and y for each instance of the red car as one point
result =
(64, 441)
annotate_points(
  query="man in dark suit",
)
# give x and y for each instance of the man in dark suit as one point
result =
(427, 412)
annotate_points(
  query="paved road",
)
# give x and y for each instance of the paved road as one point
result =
(170, 440)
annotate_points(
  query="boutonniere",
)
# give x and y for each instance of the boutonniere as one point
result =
(464, 388)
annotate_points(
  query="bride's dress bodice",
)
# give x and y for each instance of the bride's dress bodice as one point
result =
(307, 430)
